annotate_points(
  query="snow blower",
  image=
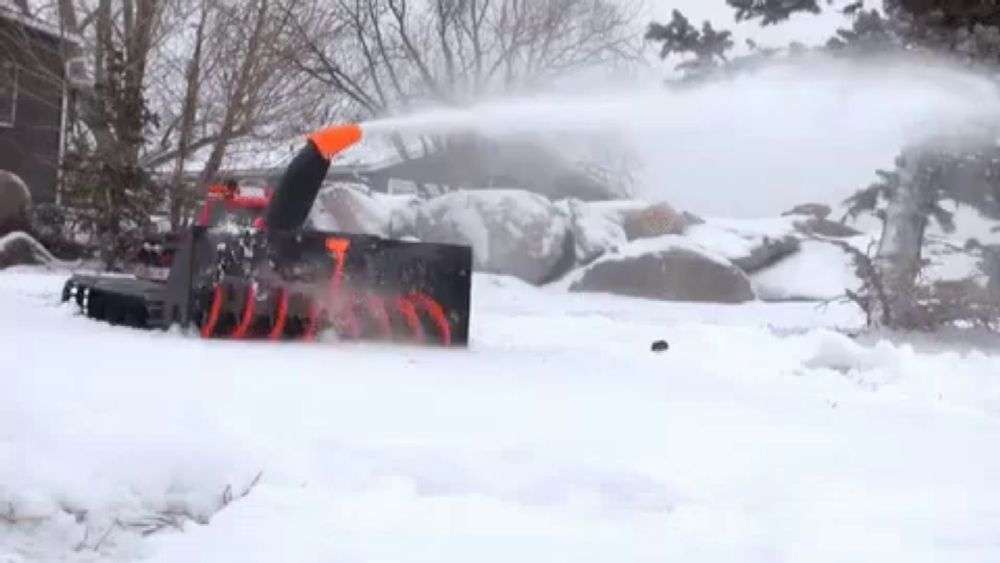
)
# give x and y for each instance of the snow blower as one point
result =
(249, 270)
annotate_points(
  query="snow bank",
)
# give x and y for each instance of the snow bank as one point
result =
(819, 271)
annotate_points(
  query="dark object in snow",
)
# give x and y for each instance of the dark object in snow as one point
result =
(826, 228)
(660, 346)
(691, 219)
(818, 211)
(270, 279)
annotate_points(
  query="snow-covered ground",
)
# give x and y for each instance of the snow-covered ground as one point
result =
(762, 435)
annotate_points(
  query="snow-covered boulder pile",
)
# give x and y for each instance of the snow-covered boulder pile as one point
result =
(598, 227)
(15, 203)
(348, 209)
(752, 245)
(603, 227)
(20, 249)
(668, 268)
(513, 232)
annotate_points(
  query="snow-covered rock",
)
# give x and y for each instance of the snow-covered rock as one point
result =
(512, 232)
(654, 221)
(15, 203)
(350, 210)
(20, 249)
(751, 245)
(667, 268)
(403, 210)
(598, 227)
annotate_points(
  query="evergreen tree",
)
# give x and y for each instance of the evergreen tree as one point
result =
(926, 173)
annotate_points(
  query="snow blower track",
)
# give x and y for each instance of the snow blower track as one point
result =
(557, 436)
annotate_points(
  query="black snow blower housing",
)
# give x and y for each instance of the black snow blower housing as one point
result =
(250, 271)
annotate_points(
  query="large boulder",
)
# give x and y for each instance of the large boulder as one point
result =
(512, 232)
(654, 221)
(349, 210)
(20, 249)
(598, 227)
(751, 244)
(15, 203)
(668, 268)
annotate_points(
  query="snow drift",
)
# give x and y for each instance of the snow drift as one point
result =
(557, 436)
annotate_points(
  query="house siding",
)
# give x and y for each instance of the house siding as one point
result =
(31, 147)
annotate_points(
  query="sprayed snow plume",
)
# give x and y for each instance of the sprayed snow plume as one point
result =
(895, 95)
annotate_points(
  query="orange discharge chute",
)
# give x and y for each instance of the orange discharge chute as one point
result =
(333, 140)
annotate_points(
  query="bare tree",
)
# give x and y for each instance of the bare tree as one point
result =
(382, 56)
(387, 54)
(234, 87)
(174, 84)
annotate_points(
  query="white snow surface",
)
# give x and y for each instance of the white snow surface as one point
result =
(762, 435)
(664, 243)
(818, 271)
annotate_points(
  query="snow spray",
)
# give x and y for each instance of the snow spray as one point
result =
(815, 127)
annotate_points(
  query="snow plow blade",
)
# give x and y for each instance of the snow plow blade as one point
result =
(275, 280)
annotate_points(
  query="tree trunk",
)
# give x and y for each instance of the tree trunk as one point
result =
(178, 188)
(898, 260)
(238, 105)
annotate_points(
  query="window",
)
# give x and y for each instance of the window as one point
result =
(8, 94)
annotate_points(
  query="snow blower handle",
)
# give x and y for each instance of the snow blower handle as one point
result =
(296, 192)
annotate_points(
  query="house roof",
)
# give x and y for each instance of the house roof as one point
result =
(9, 13)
